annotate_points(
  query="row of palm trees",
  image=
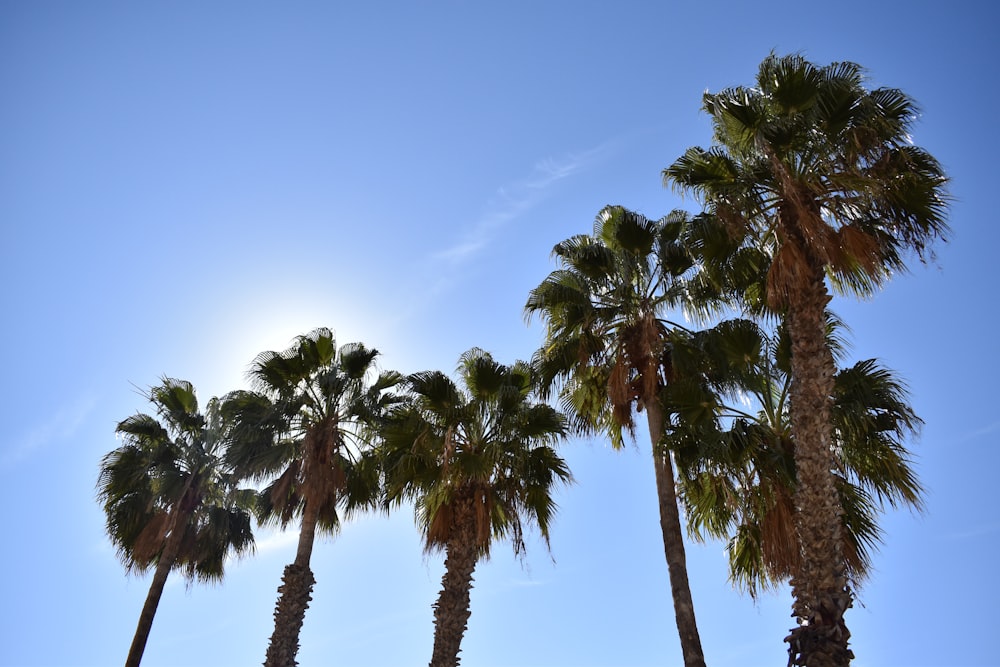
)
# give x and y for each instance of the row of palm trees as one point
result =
(811, 183)
(323, 435)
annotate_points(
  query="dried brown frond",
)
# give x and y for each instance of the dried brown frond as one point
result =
(620, 391)
(440, 527)
(188, 540)
(734, 222)
(284, 492)
(796, 202)
(483, 510)
(150, 541)
(338, 478)
(646, 350)
(818, 237)
(779, 547)
(859, 249)
(448, 451)
(788, 269)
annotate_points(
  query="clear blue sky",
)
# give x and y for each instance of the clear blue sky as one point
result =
(186, 184)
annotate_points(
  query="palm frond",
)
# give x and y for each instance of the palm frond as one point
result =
(812, 151)
(167, 482)
(739, 475)
(310, 426)
(480, 453)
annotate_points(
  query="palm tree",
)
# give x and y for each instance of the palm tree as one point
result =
(730, 390)
(478, 463)
(818, 171)
(169, 500)
(606, 342)
(308, 429)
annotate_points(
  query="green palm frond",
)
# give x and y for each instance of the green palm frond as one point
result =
(873, 419)
(486, 442)
(605, 311)
(622, 230)
(225, 531)
(168, 477)
(811, 148)
(309, 426)
(733, 441)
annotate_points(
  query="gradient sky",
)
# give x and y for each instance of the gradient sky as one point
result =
(186, 184)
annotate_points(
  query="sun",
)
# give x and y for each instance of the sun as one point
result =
(257, 322)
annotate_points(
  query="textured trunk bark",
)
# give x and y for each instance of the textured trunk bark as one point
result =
(451, 611)
(163, 566)
(821, 594)
(294, 595)
(673, 541)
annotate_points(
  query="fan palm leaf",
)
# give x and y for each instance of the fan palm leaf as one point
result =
(743, 487)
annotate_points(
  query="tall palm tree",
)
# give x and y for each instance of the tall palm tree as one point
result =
(169, 500)
(308, 429)
(606, 342)
(478, 463)
(819, 171)
(731, 389)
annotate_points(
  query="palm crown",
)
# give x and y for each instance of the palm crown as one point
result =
(604, 313)
(308, 425)
(817, 168)
(488, 442)
(168, 478)
(730, 391)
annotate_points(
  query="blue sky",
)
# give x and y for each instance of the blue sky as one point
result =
(184, 185)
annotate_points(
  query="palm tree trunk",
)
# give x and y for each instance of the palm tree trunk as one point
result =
(673, 541)
(821, 594)
(163, 566)
(294, 595)
(451, 611)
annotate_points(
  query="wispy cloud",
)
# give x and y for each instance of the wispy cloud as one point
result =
(975, 531)
(515, 199)
(980, 432)
(524, 583)
(510, 202)
(64, 423)
(276, 540)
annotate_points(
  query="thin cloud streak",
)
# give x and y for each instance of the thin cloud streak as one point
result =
(266, 543)
(63, 425)
(511, 201)
(276, 541)
(515, 199)
(980, 432)
(977, 531)
(525, 583)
